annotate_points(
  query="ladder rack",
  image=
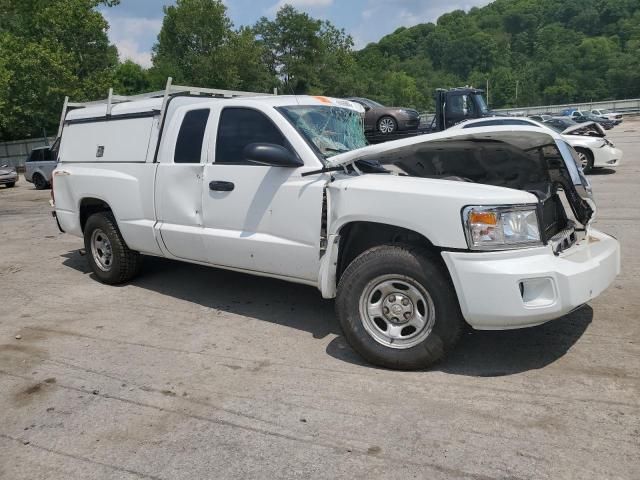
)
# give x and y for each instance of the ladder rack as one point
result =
(170, 90)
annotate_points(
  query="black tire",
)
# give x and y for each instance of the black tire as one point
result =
(10, 185)
(587, 164)
(407, 262)
(39, 182)
(125, 264)
(393, 125)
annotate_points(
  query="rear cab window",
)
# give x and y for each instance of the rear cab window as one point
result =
(191, 136)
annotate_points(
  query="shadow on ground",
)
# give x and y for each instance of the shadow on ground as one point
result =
(602, 171)
(296, 306)
(479, 353)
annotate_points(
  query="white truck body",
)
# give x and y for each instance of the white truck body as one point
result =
(291, 223)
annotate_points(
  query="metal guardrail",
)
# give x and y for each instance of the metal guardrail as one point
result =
(625, 107)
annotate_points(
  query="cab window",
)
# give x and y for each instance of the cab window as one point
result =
(240, 127)
(191, 137)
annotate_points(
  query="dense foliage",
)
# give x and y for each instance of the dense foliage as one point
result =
(528, 51)
(49, 49)
(552, 51)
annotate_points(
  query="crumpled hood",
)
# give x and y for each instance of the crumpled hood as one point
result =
(524, 158)
(586, 128)
(525, 138)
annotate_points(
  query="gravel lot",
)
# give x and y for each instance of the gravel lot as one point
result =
(194, 373)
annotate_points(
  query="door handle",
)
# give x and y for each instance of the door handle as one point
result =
(217, 186)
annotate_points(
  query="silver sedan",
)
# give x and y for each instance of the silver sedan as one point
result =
(8, 176)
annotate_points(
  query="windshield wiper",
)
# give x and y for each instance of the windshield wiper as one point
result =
(323, 170)
(360, 166)
(339, 150)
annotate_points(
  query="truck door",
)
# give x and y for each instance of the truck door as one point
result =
(260, 218)
(459, 107)
(178, 193)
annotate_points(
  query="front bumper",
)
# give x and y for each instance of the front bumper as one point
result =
(523, 288)
(409, 123)
(4, 179)
(607, 156)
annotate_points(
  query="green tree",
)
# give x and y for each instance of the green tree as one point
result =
(193, 43)
(197, 45)
(307, 55)
(49, 49)
(130, 79)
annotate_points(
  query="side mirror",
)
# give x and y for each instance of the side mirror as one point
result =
(6, 165)
(271, 155)
(367, 108)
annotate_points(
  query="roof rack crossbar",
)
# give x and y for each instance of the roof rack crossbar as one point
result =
(169, 91)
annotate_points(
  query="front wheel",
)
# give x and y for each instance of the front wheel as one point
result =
(109, 256)
(39, 181)
(387, 125)
(397, 307)
(586, 159)
(10, 185)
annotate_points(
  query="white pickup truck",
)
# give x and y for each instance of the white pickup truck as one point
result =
(413, 238)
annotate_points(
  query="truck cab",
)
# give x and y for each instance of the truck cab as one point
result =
(457, 105)
(413, 238)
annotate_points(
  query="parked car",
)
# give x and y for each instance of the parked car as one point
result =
(588, 139)
(540, 118)
(561, 123)
(608, 114)
(39, 166)
(8, 176)
(568, 112)
(381, 120)
(582, 116)
(412, 237)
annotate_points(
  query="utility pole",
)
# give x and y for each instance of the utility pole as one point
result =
(487, 91)
(517, 82)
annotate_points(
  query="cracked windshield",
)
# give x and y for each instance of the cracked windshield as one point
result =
(332, 130)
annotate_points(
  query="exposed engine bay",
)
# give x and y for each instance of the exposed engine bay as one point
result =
(520, 160)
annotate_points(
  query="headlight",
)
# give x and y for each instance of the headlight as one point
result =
(498, 228)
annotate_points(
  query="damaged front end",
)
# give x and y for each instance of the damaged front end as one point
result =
(528, 160)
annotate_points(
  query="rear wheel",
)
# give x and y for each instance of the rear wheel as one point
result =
(397, 307)
(387, 125)
(39, 181)
(108, 255)
(586, 159)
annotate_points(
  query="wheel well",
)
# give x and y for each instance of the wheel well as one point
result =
(386, 115)
(358, 237)
(586, 150)
(89, 206)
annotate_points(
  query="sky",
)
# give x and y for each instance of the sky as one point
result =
(135, 23)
